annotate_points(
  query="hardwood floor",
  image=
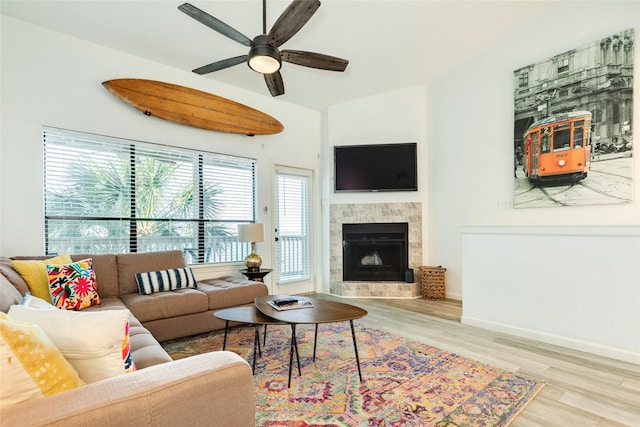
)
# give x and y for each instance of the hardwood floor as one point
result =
(582, 389)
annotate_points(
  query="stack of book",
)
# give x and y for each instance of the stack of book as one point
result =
(289, 303)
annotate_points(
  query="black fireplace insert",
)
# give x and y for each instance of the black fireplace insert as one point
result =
(375, 251)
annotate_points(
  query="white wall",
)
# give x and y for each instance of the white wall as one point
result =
(391, 117)
(577, 286)
(471, 132)
(470, 140)
(55, 80)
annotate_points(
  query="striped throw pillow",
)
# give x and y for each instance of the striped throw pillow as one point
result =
(165, 280)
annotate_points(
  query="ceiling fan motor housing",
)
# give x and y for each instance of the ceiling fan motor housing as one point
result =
(263, 58)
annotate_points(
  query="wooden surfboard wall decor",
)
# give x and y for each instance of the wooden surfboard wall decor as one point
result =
(191, 107)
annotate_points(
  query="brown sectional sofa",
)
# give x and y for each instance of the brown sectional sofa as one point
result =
(210, 389)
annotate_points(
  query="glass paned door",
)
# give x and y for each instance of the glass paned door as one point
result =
(292, 253)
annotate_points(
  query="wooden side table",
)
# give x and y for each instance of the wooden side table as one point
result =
(257, 276)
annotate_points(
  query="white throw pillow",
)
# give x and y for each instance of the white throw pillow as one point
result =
(90, 341)
(31, 365)
(29, 300)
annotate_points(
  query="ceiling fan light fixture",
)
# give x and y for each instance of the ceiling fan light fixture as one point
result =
(264, 64)
(264, 58)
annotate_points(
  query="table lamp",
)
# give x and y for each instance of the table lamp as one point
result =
(251, 233)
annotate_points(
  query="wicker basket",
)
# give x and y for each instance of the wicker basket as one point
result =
(433, 282)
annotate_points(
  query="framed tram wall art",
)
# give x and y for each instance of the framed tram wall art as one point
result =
(573, 130)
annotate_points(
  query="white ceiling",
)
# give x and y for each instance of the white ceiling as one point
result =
(390, 44)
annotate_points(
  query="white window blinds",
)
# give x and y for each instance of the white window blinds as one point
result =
(109, 195)
(292, 248)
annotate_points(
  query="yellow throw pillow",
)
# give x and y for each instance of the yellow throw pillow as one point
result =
(34, 272)
(31, 365)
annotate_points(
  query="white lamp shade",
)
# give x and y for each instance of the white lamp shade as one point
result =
(251, 232)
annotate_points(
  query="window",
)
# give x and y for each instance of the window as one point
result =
(523, 79)
(563, 65)
(628, 50)
(561, 137)
(615, 110)
(545, 144)
(604, 49)
(109, 195)
(578, 134)
(534, 143)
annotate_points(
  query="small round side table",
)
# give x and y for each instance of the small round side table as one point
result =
(258, 275)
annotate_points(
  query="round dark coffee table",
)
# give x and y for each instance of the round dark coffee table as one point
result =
(323, 311)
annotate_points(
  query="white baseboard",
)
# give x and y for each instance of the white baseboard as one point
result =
(601, 350)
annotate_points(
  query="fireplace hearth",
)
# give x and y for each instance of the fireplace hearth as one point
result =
(375, 251)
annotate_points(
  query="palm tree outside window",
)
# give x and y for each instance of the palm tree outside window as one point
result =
(109, 195)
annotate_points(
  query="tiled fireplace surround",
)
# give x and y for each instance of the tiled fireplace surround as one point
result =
(410, 213)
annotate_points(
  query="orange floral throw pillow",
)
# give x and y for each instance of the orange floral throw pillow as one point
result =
(73, 286)
(129, 366)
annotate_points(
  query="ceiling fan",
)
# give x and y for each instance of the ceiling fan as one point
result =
(264, 56)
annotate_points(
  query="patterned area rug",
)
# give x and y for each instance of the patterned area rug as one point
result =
(405, 383)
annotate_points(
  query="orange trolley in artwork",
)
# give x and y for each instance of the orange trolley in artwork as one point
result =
(558, 148)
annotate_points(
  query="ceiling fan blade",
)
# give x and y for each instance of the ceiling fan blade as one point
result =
(274, 83)
(220, 65)
(214, 23)
(314, 60)
(291, 20)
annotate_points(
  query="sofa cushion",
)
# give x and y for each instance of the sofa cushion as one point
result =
(9, 295)
(91, 341)
(31, 364)
(106, 271)
(131, 264)
(13, 276)
(226, 292)
(73, 286)
(145, 350)
(34, 272)
(165, 280)
(109, 304)
(164, 305)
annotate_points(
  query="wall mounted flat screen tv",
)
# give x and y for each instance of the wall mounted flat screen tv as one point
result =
(377, 167)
